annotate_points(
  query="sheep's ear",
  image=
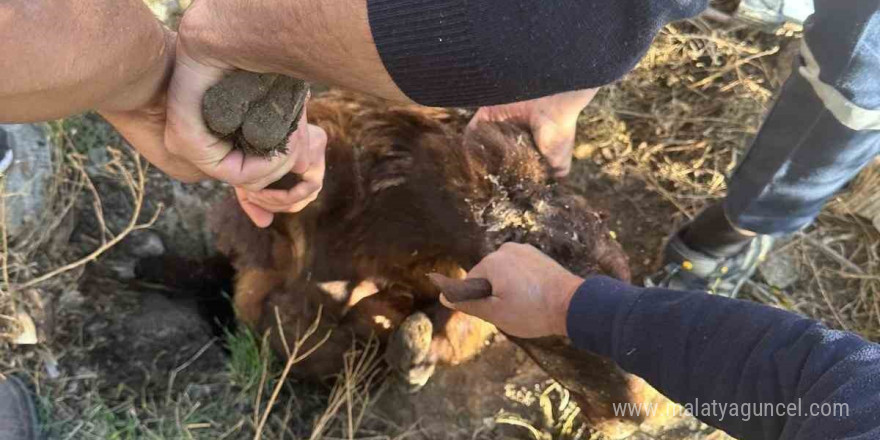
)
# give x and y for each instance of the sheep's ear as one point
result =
(508, 149)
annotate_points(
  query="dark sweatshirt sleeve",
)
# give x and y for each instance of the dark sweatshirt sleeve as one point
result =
(482, 52)
(698, 349)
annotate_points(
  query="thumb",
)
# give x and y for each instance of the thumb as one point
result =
(261, 217)
(556, 142)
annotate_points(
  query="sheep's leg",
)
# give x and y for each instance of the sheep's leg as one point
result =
(409, 352)
(252, 287)
(420, 343)
(295, 308)
(458, 337)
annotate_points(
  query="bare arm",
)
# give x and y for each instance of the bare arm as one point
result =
(113, 56)
(61, 58)
(327, 41)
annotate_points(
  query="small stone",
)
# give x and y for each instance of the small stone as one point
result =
(98, 157)
(781, 270)
(146, 244)
(71, 299)
(124, 270)
(160, 318)
(28, 178)
(51, 365)
(584, 151)
(27, 334)
(201, 391)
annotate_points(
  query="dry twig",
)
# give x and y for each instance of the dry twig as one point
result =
(137, 186)
(297, 355)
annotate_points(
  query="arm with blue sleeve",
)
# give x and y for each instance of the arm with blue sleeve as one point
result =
(696, 347)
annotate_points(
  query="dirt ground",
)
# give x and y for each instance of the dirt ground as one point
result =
(131, 346)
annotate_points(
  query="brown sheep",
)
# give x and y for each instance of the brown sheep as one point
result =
(407, 194)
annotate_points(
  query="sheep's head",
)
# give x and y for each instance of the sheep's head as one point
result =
(504, 191)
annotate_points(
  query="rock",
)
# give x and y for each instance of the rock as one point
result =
(27, 334)
(50, 363)
(98, 158)
(145, 244)
(137, 337)
(29, 177)
(71, 299)
(163, 320)
(184, 225)
(781, 270)
(122, 269)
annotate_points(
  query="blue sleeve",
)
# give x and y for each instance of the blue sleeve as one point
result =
(699, 349)
(481, 52)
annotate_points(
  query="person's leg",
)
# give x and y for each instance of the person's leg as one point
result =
(824, 128)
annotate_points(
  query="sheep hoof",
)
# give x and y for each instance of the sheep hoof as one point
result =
(408, 352)
(256, 112)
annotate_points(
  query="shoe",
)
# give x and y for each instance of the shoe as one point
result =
(773, 14)
(689, 269)
(18, 417)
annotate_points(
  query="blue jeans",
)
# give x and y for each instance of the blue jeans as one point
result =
(824, 128)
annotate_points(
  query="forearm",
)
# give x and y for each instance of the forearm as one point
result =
(61, 58)
(448, 52)
(477, 53)
(326, 41)
(691, 346)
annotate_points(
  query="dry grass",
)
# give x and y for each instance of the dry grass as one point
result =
(233, 403)
(22, 271)
(680, 122)
(681, 119)
(221, 408)
(17, 258)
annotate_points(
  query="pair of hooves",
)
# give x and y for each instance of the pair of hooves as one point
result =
(408, 353)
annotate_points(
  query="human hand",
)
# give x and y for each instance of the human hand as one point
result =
(552, 119)
(262, 205)
(138, 114)
(188, 136)
(530, 292)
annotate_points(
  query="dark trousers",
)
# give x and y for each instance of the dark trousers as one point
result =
(824, 128)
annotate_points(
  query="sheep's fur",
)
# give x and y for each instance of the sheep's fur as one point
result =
(406, 193)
